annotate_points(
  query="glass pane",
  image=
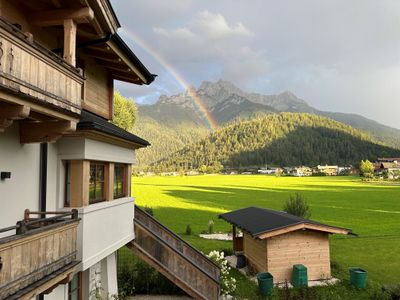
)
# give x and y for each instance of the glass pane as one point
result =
(92, 194)
(74, 282)
(74, 295)
(100, 173)
(92, 173)
(99, 190)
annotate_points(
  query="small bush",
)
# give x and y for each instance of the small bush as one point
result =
(227, 251)
(298, 206)
(188, 230)
(149, 210)
(211, 227)
(393, 291)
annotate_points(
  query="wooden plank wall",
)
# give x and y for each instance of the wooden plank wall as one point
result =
(30, 71)
(255, 252)
(98, 90)
(34, 256)
(310, 248)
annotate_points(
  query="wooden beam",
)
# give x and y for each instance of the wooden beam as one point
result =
(9, 113)
(70, 41)
(56, 3)
(104, 55)
(57, 16)
(39, 132)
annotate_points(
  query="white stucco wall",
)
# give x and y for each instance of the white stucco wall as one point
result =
(82, 148)
(104, 228)
(21, 191)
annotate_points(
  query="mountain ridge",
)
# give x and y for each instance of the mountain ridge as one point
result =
(173, 110)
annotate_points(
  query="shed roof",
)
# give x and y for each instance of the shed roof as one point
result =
(263, 223)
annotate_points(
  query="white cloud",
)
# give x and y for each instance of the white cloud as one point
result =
(215, 26)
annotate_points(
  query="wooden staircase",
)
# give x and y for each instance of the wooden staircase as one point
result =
(185, 266)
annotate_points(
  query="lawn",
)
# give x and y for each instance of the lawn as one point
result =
(371, 210)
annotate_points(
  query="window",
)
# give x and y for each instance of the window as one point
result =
(119, 181)
(74, 287)
(96, 183)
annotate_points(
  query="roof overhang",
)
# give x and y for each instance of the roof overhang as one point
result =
(303, 226)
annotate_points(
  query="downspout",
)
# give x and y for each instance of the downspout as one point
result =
(43, 178)
(43, 186)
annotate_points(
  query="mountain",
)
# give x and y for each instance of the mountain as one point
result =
(284, 139)
(226, 102)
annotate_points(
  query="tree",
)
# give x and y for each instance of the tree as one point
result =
(366, 168)
(125, 112)
(298, 206)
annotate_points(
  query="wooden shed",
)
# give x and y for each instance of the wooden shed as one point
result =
(274, 241)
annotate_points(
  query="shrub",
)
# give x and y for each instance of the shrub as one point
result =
(298, 206)
(188, 230)
(149, 210)
(227, 283)
(211, 227)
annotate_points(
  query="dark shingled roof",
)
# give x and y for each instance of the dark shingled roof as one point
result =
(256, 221)
(90, 121)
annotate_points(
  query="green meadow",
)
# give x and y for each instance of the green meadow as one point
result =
(371, 210)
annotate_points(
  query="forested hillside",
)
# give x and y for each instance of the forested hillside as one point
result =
(165, 140)
(285, 139)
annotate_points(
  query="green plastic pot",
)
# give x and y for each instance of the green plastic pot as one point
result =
(358, 277)
(265, 283)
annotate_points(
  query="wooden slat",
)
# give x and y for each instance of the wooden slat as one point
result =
(30, 257)
(174, 258)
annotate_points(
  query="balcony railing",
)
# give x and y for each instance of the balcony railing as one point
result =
(29, 69)
(40, 251)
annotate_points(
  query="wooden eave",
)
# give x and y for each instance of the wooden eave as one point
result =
(116, 62)
(302, 226)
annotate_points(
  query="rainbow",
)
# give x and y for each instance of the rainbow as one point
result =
(211, 122)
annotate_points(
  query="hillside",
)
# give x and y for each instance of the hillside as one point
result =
(227, 103)
(284, 139)
(165, 139)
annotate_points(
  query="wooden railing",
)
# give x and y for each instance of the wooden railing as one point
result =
(39, 248)
(29, 69)
(181, 263)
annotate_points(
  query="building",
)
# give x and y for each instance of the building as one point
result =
(65, 169)
(391, 169)
(274, 241)
(301, 171)
(327, 170)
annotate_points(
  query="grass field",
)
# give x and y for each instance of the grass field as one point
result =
(371, 210)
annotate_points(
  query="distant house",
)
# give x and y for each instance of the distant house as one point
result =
(274, 241)
(327, 170)
(390, 168)
(389, 159)
(302, 171)
(270, 171)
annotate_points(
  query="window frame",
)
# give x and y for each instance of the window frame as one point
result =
(78, 289)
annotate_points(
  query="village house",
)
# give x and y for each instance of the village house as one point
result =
(301, 171)
(65, 187)
(275, 241)
(326, 170)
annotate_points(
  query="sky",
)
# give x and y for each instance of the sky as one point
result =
(338, 55)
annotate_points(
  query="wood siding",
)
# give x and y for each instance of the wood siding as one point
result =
(255, 252)
(30, 69)
(29, 257)
(98, 90)
(310, 248)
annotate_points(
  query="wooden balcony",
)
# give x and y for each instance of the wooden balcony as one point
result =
(29, 71)
(39, 256)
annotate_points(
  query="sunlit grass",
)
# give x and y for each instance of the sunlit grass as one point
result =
(371, 210)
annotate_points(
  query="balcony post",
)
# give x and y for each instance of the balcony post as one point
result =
(70, 41)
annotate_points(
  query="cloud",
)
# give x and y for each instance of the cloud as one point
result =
(336, 54)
